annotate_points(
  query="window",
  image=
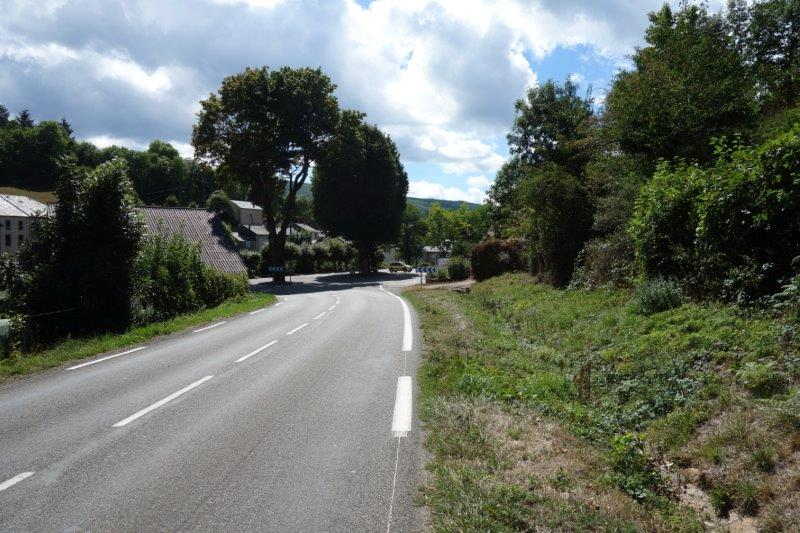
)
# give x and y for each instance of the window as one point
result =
(8, 240)
(8, 224)
(20, 225)
(20, 239)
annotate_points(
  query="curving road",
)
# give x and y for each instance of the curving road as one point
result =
(293, 418)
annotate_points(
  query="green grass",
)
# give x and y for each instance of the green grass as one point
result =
(697, 386)
(73, 349)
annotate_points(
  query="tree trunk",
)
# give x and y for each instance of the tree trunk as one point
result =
(366, 254)
(276, 255)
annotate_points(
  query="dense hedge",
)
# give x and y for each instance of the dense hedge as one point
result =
(731, 230)
(497, 256)
(172, 279)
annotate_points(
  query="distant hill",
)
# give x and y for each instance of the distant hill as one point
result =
(423, 204)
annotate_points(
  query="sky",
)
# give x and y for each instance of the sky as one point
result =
(439, 76)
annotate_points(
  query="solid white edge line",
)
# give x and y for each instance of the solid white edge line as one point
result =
(298, 328)
(401, 421)
(211, 326)
(408, 339)
(161, 402)
(254, 352)
(322, 314)
(14, 480)
(106, 358)
(258, 311)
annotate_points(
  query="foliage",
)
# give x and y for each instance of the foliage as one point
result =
(8, 271)
(30, 155)
(77, 272)
(495, 256)
(633, 471)
(730, 230)
(360, 188)
(172, 280)
(768, 34)
(551, 126)
(558, 222)
(457, 268)
(219, 202)
(413, 229)
(605, 261)
(252, 260)
(688, 85)
(657, 295)
(762, 379)
(266, 128)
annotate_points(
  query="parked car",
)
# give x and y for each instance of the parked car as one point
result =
(399, 266)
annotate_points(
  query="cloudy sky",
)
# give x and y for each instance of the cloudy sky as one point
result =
(440, 76)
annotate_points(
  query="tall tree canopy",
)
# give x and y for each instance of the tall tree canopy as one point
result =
(360, 187)
(266, 128)
(689, 84)
(30, 155)
(551, 126)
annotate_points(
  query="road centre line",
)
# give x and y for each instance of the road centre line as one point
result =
(211, 326)
(254, 352)
(106, 358)
(14, 480)
(331, 308)
(258, 311)
(298, 328)
(322, 314)
(401, 420)
(408, 340)
(161, 402)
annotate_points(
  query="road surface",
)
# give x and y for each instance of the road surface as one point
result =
(293, 418)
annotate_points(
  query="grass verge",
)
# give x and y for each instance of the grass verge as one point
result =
(567, 410)
(72, 349)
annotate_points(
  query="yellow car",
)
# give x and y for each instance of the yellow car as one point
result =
(399, 266)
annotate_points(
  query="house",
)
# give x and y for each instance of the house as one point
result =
(197, 226)
(17, 217)
(247, 213)
(432, 254)
(251, 233)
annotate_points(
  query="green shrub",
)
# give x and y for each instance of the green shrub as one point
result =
(219, 203)
(633, 472)
(559, 224)
(252, 260)
(762, 379)
(457, 268)
(656, 295)
(731, 230)
(172, 279)
(495, 256)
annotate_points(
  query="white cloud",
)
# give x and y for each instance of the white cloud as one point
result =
(440, 76)
(429, 189)
(104, 141)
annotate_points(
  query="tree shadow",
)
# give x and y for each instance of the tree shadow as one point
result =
(329, 282)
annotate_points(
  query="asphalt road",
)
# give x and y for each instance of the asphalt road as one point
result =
(288, 419)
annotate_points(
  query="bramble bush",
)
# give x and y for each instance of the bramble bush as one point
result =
(497, 256)
(457, 269)
(728, 231)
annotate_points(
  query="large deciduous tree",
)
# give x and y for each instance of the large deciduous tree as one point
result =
(360, 188)
(689, 84)
(551, 126)
(266, 128)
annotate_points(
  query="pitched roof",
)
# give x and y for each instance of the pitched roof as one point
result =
(306, 227)
(197, 226)
(12, 205)
(245, 205)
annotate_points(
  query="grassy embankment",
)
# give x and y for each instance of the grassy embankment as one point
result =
(566, 410)
(81, 348)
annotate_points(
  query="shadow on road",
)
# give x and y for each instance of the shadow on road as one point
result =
(327, 282)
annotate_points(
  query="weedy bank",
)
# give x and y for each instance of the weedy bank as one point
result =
(571, 409)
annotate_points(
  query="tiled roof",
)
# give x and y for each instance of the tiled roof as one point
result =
(197, 226)
(259, 231)
(12, 205)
